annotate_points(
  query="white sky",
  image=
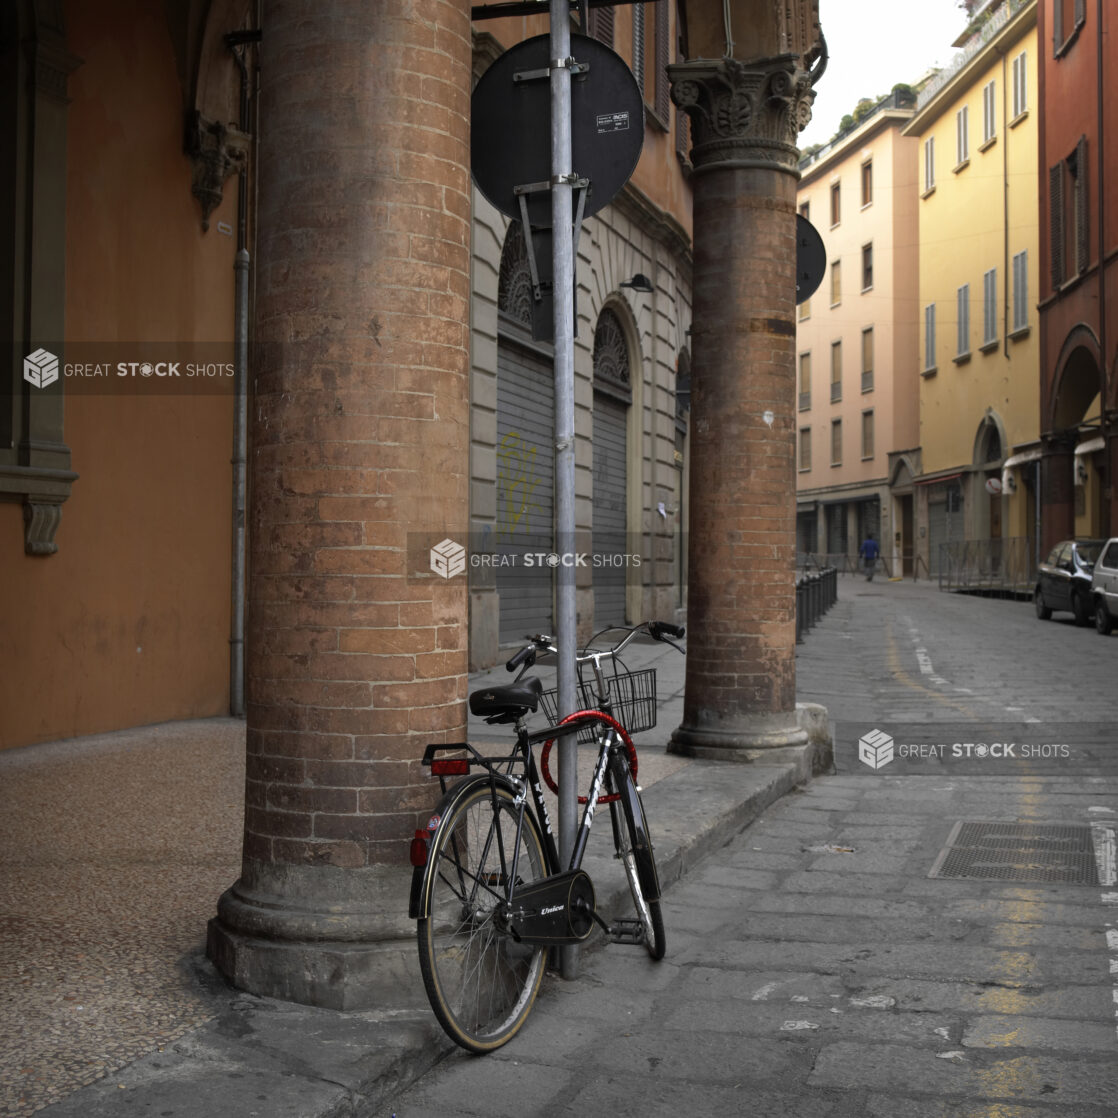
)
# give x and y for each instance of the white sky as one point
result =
(874, 44)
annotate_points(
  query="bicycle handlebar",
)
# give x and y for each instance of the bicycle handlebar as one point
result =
(541, 642)
(527, 655)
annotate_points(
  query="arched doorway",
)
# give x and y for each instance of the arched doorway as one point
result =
(990, 451)
(1073, 468)
(902, 487)
(525, 453)
(613, 395)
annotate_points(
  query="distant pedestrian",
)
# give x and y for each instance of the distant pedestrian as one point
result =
(869, 551)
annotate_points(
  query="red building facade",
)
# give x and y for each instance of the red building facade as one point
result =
(1078, 294)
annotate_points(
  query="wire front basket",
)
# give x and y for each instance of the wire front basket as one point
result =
(632, 699)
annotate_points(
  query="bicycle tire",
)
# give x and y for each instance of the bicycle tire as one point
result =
(634, 849)
(481, 984)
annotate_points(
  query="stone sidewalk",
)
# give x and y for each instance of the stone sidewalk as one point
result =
(115, 850)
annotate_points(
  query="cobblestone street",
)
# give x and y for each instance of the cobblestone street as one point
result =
(814, 967)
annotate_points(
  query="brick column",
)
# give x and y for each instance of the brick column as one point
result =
(1057, 491)
(359, 437)
(741, 684)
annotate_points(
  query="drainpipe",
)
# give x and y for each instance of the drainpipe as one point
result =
(1105, 478)
(238, 44)
(1005, 204)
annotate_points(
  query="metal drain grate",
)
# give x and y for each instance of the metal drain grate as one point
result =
(1046, 852)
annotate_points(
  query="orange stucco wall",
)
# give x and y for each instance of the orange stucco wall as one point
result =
(129, 622)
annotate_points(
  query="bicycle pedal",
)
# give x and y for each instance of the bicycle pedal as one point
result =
(627, 930)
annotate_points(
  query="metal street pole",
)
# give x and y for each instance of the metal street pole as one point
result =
(563, 295)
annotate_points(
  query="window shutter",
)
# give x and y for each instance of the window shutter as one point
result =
(600, 25)
(1056, 223)
(663, 55)
(638, 46)
(1082, 253)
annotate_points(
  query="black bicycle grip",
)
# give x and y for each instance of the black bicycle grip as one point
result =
(521, 657)
(660, 629)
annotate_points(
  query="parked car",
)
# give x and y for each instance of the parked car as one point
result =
(1064, 580)
(1104, 587)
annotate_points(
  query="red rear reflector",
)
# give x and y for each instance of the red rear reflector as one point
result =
(450, 768)
(419, 849)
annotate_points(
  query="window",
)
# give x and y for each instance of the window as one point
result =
(1020, 87)
(867, 267)
(836, 442)
(836, 371)
(1067, 215)
(638, 44)
(836, 203)
(962, 319)
(805, 381)
(929, 164)
(1068, 16)
(682, 120)
(990, 308)
(929, 337)
(805, 448)
(651, 43)
(836, 282)
(599, 25)
(989, 114)
(867, 182)
(34, 458)
(867, 359)
(867, 434)
(962, 137)
(1020, 292)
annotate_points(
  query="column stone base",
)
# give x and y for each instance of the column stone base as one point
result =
(333, 952)
(752, 736)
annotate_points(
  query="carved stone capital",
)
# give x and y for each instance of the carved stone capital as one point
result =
(744, 114)
(216, 151)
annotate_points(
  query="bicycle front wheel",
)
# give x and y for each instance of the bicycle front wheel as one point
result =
(634, 849)
(481, 983)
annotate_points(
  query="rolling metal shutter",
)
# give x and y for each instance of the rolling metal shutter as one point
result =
(525, 489)
(945, 521)
(610, 457)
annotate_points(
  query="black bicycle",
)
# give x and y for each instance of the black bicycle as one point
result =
(488, 890)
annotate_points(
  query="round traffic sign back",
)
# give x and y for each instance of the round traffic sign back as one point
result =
(510, 144)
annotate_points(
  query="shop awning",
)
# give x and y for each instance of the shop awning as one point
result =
(1020, 459)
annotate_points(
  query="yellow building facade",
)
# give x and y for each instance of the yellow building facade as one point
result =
(856, 341)
(976, 126)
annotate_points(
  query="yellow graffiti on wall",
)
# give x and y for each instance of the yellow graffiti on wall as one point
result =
(516, 483)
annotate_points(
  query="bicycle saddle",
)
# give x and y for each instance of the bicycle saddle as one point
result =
(508, 702)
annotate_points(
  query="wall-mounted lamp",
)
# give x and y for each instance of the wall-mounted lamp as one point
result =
(640, 282)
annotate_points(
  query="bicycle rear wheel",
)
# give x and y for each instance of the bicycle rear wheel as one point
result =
(634, 848)
(480, 982)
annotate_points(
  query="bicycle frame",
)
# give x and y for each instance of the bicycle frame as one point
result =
(523, 784)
